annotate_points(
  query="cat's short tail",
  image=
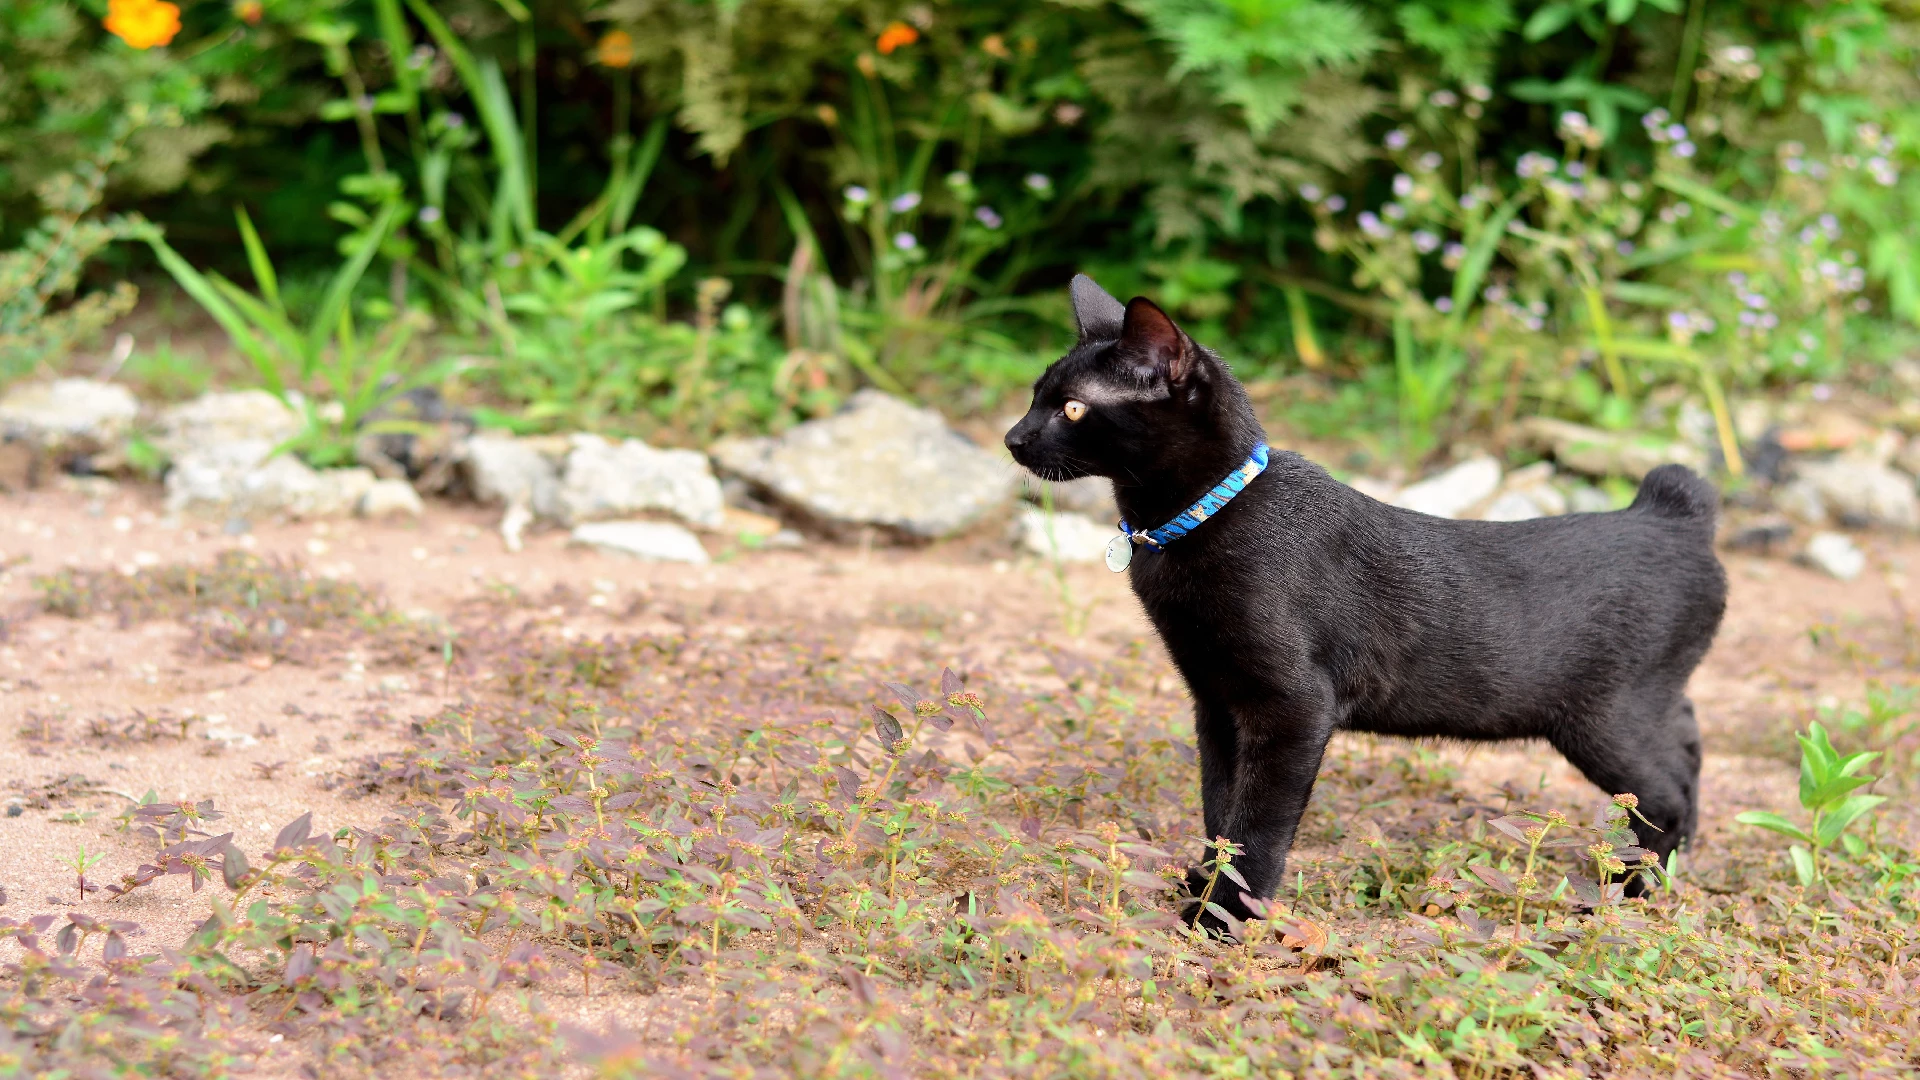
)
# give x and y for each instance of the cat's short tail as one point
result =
(1679, 494)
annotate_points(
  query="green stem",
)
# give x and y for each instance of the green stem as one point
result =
(1689, 53)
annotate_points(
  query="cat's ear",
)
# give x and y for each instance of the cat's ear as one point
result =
(1096, 314)
(1150, 337)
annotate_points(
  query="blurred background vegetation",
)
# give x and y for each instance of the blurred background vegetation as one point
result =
(683, 217)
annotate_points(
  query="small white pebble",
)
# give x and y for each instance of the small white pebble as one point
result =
(420, 553)
(316, 547)
(123, 523)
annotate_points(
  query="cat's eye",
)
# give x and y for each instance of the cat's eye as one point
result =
(1074, 410)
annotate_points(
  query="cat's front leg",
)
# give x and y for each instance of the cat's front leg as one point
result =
(1277, 749)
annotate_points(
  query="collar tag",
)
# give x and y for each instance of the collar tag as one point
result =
(1119, 553)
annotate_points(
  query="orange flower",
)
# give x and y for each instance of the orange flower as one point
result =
(894, 36)
(615, 49)
(142, 23)
(249, 11)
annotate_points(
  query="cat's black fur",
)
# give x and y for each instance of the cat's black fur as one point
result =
(1304, 607)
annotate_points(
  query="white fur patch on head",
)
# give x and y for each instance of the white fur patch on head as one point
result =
(1098, 393)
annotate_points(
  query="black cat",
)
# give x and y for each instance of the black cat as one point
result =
(1302, 607)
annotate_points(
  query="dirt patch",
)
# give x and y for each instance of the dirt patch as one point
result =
(325, 668)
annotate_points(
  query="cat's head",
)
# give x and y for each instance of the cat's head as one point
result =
(1133, 399)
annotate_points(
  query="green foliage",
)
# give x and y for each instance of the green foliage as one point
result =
(47, 265)
(1827, 782)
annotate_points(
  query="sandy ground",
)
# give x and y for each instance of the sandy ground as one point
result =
(282, 735)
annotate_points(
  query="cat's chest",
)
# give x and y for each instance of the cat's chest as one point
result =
(1195, 601)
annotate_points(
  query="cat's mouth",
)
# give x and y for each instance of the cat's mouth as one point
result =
(1053, 471)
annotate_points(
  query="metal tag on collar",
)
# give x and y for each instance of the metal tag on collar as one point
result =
(1119, 553)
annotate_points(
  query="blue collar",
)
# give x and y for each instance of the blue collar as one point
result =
(1208, 505)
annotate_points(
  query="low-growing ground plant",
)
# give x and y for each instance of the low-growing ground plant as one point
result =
(805, 866)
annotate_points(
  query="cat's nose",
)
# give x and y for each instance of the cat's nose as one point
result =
(1017, 438)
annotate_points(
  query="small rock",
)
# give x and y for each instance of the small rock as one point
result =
(213, 419)
(1089, 495)
(286, 485)
(1587, 499)
(84, 413)
(396, 684)
(387, 498)
(207, 478)
(1527, 493)
(238, 740)
(1515, 506)
(513, 526)
(514, 472)
(1836, 554)
(1593, 452)
(1068, 537)
(1858, 491)
(879, 461)
(656, 540)
(1375, 488)
(605, 480)
(1452, 493)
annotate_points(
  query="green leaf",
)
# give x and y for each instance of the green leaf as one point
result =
(1774, 822)
(1836, 820)
(1704, 195)
(1619, 11)
(1802, 865)
(340, 290)
(263, 274)
(209, 298)
(1548, 21)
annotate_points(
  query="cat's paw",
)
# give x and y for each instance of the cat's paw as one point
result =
(1225, 896)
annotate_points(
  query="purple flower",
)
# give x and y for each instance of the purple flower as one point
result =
(1402, 186)
(1444, 305)
(1371, 224)
(857, 195)
(429, 215)
(985, 216)
(1683, 148)
(1040, 182)
(1425, 242)
(1336, 203)
(905, 241)
(904, 202)
(1310, 192)
(1397, 139)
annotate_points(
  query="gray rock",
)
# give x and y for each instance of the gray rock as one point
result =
(1450, 494)
(1089, 495)
(1606, 453)
(513, 472)
(206, 479)
(605, 479)
(1069, 537)
(658, 541)
(880, 461)
(84, 415)
(1374, 487)
(1587, 499)
(1515, 506)
(214, 419)
(1856, 491)
(287, 486)
(1836, 554)
(390, 498)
